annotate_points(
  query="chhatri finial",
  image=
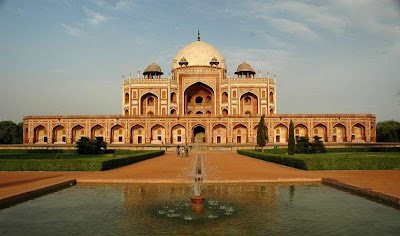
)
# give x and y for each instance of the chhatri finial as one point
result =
(198, 34)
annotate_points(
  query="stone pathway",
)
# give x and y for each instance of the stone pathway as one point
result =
(220, 167)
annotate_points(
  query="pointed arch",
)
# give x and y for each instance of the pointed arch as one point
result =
(281, 133)
(320, 130)
(219, 133)
(117, 134)
(358, 133)
(300, 130)
(149, 104)
(178, 134)
(59, 134)
(339, 133)
(199, 97)
(137, 134)
(97, 132)
(249, 103)
(240, 133)
(78, 131)
(158, 134)
(40, 134)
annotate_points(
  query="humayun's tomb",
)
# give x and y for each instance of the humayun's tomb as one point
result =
(199, 101)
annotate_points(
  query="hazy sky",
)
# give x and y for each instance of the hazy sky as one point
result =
(67, 57)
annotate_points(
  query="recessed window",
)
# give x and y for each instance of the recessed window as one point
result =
(199, 100)
(120, 139)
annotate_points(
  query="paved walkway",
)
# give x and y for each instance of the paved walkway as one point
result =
(220, 167)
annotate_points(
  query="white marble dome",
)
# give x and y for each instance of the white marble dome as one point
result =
(198, 53)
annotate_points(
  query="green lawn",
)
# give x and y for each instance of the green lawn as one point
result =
(68, 161)
(354, 160)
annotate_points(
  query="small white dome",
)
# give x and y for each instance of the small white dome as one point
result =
(198, 53)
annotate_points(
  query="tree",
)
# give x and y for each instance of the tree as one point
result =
(291, 144)
(303, 145)
(261, 134)
(90, 146)
(318, 146)
(10, 133)
(387, 131)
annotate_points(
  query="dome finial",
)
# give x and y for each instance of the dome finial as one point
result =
(198, 34)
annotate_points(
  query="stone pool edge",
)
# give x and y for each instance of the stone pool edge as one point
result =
(26, 195)
(363, 191)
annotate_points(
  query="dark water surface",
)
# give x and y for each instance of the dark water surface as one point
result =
(231, 209)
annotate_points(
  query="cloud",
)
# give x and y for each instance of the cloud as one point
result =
(116, 5)
(94, 18)
(324, 16)
(73, 31)
(294, 27)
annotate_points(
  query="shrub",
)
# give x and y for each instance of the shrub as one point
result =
(90, 146)
(86, 163)
(318, 146)
(330, 161)
(303, 145)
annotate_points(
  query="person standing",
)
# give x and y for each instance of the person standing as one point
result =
(178, 151)
(183, 152)
(186, 149)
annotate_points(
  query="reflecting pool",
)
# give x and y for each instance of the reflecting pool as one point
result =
(230, 209)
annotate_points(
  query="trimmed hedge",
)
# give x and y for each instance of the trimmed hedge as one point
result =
(22, 151)
(330, 161)
(80, 163)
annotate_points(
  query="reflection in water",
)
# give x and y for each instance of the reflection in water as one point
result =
(231, 209)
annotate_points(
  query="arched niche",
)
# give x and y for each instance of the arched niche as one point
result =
(59, 134)
(339, 133)
(219, 133)
(137, 134)
(249, 104)
(97, 132)
(240, 134)
(358, 133)
(199, 97)
(149, 104)
(78, 131)
(117, 134)
(300, 130)
(280, 134)
(40, 134)
(320, 130)
(178, 134)
(158, 134)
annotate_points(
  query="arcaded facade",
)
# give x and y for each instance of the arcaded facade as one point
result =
(198, 102)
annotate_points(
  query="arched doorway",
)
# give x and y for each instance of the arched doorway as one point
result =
(40, 134)
(199, 134)
(137, 134)
(320, 131)
(300, 130)
(158, 134)
(59, 134)
(240, 134)
(219, 134)
(199, 97)
(77, 132)
(98, 132)
(358, 133)
(149, 104)
(339, 133)
(249, 104)
(117, 134)
(281, 134)
(178, 134)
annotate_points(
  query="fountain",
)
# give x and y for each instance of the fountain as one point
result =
(198, 175)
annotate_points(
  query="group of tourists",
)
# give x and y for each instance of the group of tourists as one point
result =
(182, 151)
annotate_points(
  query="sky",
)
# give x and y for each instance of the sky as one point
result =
(66, 57)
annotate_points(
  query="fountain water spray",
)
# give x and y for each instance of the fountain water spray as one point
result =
(198, 175)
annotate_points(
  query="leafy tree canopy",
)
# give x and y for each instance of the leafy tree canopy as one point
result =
(10, 132)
